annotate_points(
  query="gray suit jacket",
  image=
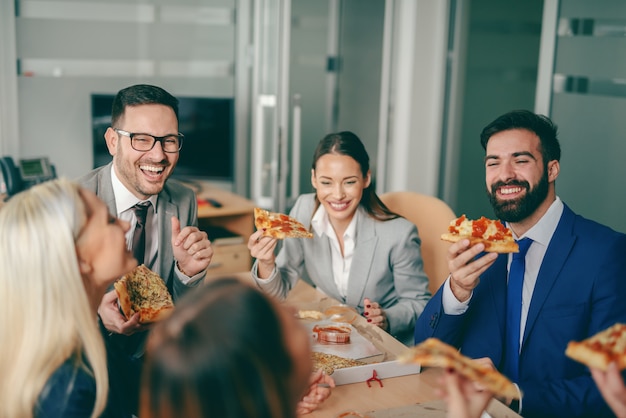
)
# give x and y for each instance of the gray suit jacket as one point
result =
(386, 267)
(174, 200)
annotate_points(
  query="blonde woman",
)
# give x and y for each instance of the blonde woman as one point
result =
(59, 251)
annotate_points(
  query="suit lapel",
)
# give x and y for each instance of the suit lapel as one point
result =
(165, 210)
(558, 250)
(321, 252)
(105, 189)
(362, 260)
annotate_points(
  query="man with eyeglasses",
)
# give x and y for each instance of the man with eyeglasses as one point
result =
(145, 143)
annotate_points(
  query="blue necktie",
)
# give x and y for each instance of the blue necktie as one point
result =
(514, 310)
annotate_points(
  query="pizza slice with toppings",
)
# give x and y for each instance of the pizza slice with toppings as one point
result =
(435, 353)
(279, 225)
(601, 349)
(144, 291)
(496, 237)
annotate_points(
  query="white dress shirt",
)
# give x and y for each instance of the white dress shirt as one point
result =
(340, 263)
(541, 234)
(124, 203)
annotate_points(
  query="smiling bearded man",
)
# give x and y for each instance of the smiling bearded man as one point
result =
(518, 313)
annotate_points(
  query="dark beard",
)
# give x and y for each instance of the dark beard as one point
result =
(519, 209)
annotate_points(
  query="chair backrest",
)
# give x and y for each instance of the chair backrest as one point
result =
(432, 217)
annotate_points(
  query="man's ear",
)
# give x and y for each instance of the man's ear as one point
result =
(111, 137)
(554, 168)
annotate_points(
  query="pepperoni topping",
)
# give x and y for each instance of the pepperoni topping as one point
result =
(479, 227)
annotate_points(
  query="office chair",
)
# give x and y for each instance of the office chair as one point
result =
(432, 217)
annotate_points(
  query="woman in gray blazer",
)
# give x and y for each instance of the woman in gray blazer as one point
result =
(362, 254)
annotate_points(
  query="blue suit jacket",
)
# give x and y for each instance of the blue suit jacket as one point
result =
(580, 290)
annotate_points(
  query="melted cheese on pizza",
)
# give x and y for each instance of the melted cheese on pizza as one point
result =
(485, 228)
(147, 290)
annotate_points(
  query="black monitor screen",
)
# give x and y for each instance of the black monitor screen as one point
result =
(208, 125)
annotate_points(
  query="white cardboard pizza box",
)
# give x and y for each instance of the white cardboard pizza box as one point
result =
(384, 370)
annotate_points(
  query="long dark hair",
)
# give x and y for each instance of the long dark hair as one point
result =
(220, 354)
(347, 143)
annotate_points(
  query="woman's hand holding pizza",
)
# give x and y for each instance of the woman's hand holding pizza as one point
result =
(464, 398)
(465, 270)
(191, 247)
(612, 387)
(262, 248)
(375, 314)
(112, 318)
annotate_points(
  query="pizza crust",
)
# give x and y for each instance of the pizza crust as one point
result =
(502, 247)
(123, 298)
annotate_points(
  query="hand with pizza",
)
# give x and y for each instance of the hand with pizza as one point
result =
(435, 353)
(142, 297)
(271, 227)
(611, 385)
(471, 239)
(605, 355)
(463, 397)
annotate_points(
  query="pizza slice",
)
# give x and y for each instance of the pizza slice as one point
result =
(143, 291)
(601, 349)
(435, 353)
(496, 237)
(279, 225)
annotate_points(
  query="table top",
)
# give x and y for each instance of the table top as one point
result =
(403, 396)
(411, 395)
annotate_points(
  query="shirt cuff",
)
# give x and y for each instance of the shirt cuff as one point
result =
(186, 280)
(519, 404)
(451, 305)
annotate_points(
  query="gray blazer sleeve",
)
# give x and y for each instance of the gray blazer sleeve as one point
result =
(386, 268)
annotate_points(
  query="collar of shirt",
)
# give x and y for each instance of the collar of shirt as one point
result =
(340, 264)
(124, 199)
(543, 230)
(321, 224)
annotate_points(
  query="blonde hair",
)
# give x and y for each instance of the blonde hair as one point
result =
(45, 312)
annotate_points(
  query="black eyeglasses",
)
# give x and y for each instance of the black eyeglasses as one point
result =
(145, 142)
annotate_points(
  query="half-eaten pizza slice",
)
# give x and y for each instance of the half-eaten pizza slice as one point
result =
(143, 291)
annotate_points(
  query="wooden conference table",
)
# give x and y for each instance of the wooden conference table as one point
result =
(411, 395)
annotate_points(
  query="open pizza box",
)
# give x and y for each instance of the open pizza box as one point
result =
(368, 344)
